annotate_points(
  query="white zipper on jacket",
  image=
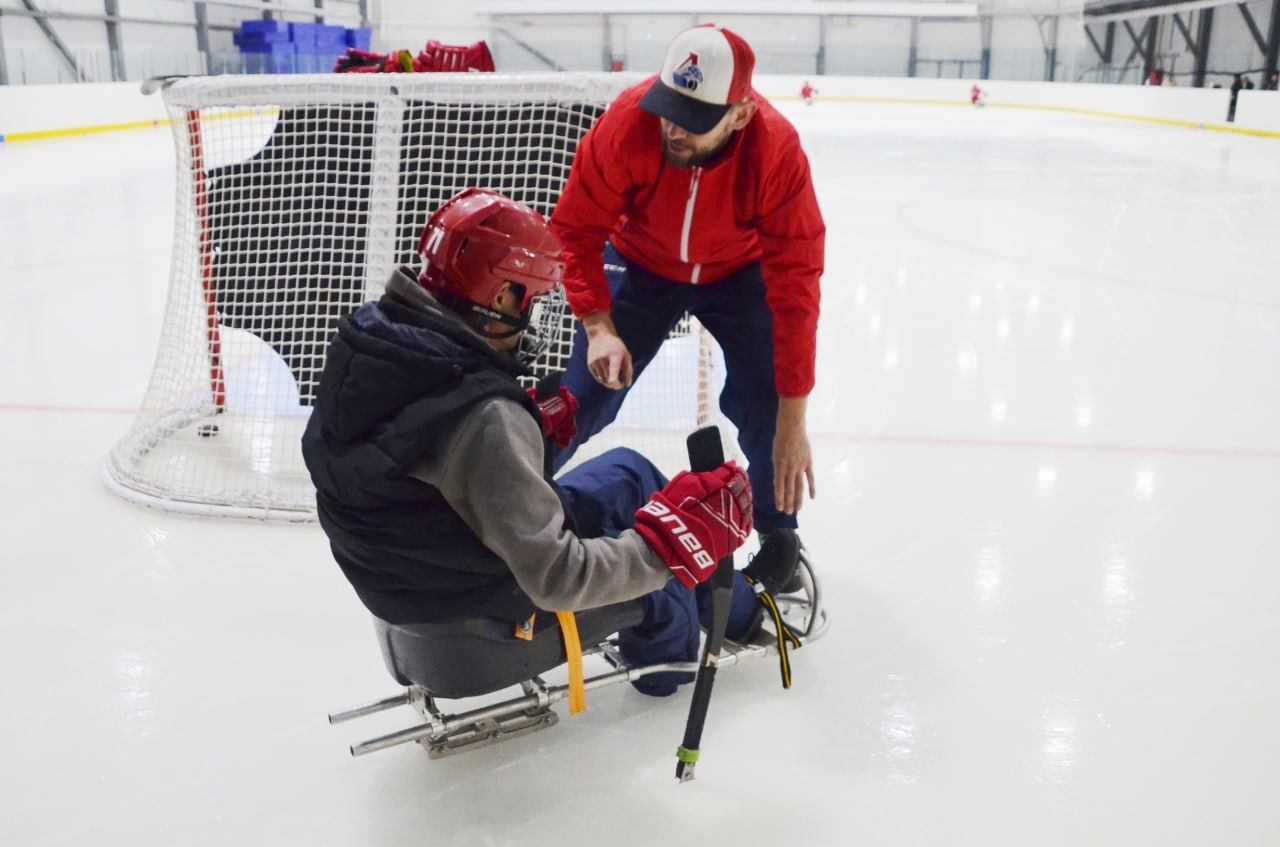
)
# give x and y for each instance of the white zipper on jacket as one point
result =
(688, 224)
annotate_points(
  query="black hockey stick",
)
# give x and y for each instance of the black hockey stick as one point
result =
(706, 453)
(548, 385)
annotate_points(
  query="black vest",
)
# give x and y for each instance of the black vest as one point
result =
(394, 378)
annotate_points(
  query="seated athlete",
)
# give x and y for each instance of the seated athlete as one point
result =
(432, 471)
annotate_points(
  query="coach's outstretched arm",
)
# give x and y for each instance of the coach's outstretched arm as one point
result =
(792, 458)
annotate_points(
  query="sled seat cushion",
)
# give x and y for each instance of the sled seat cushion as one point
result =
(479, 656)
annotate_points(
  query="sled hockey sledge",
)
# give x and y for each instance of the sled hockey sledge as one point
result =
(444, 733)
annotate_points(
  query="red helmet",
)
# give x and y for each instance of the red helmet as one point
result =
(480, 240)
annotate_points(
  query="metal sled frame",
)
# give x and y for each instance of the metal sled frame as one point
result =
(445, 734)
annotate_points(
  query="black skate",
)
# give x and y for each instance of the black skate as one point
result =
(777, 565)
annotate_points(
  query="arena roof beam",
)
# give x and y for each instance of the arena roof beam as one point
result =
(1144, 44)
(1100, 11)
(1273, 46)
(1258, 37)
(112, 8)
(1202, 49)
(4, 72)
(1106, 49)
(42, 21)
(1186, 33)
(869, 8)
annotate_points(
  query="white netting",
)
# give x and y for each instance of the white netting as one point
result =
(296, 197)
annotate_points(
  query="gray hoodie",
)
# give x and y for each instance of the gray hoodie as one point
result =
(489, 469)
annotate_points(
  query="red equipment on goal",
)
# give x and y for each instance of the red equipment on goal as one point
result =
(434, 58)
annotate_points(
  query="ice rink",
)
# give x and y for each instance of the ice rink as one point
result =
(1047, 437)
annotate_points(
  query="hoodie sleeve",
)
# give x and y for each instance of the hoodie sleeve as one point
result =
(490, 471)
(792, 243)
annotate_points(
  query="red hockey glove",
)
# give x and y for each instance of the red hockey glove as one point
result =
(363, 62)
(558, 413)
(360, 61)
(697, 520)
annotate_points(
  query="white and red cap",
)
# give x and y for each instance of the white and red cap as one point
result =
(707, 70)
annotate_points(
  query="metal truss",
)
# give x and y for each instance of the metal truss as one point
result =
(1140, 21)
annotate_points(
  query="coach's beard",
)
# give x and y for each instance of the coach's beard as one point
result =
(679, 159)
(682, 156)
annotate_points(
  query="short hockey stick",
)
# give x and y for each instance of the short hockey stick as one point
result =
(706, 453)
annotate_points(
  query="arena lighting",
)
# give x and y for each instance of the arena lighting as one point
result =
(712, 8)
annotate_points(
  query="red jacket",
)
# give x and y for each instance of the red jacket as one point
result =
(754, 200)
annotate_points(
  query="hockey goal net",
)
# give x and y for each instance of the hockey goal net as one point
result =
(296, 198)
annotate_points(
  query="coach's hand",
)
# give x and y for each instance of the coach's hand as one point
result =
(697, 520)
(792, 459)
(608, 359)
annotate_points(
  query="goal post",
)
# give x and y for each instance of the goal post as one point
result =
(296, 197)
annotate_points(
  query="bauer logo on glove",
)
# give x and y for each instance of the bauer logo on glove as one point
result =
(697, 520)
(680, 532)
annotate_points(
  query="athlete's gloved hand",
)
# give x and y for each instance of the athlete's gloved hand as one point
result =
(697, 520)
(558, 411)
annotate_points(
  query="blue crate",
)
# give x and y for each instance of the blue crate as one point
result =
(278, 57)
(304, 35)
(275, 29)
(331, 36)
(317, 61)
(359, 38)
(255, 41)
(271, 48)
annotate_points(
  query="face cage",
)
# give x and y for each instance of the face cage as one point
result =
(549, 319)
(531, 346)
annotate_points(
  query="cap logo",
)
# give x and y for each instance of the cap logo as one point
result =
(688, 75)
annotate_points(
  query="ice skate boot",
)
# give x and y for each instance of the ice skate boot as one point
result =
(776, 566)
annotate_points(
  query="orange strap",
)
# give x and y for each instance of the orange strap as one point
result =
(573, 652)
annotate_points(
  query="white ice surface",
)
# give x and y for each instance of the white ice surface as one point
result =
(1047, 433)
